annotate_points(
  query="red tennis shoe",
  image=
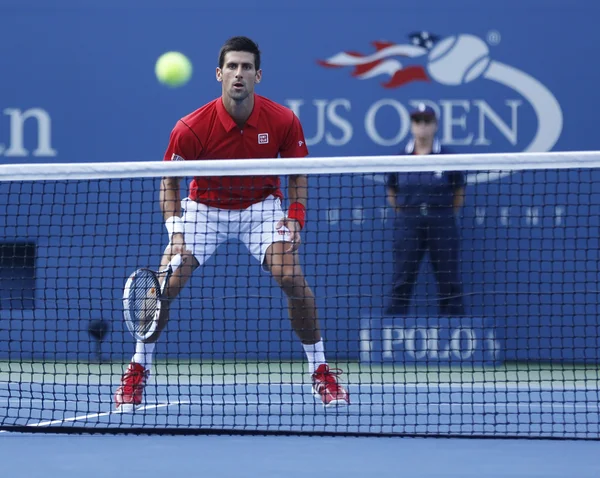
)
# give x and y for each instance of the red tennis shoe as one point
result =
(131, 392)
(326, 387)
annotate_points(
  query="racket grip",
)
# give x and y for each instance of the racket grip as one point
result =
(176, 261)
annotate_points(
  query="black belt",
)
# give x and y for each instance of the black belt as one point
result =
(424, 209)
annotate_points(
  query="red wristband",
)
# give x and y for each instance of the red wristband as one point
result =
(297, 212)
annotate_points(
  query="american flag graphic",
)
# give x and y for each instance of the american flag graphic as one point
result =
(388, 59)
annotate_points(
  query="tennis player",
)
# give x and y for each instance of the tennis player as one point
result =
(239, 124)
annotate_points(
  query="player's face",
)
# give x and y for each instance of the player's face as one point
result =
(238, 75)
(424, 127)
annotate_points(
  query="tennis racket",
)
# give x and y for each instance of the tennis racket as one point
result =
(143, 297)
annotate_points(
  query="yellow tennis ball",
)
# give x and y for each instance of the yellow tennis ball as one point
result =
(173, 69)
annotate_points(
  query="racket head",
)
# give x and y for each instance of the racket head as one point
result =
(141, 303)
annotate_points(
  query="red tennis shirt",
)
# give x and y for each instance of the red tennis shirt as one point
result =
(272, 130)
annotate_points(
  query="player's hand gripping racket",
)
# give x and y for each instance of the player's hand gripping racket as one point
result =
(143, 297)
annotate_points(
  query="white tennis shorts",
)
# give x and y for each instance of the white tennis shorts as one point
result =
(205, 227)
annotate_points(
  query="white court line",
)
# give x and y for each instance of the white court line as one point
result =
(531, 407)
(491, 387)
(534, 407)
(430, 387)
(526, 386)
(103, 414)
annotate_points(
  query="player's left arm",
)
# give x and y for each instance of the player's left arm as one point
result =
(294, 146)
(294, 221)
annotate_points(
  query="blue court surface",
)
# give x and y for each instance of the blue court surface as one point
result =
(72, 456)
(181, 398)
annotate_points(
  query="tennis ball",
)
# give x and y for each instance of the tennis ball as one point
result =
(173, 69)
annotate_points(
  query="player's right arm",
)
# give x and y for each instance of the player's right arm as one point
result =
(183, 145)
(170, 197)
(170, 205)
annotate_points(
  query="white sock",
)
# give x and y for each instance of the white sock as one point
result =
(143, 354)
(315, 354)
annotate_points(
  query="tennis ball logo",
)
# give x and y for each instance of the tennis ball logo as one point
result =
(458, 60)
(173, 69)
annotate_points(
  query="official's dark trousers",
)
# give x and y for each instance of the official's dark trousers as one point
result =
(421, 230)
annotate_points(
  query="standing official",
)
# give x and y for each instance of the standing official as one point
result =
(426, 204)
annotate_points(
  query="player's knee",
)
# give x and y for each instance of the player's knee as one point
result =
(293, 283)
(287, 281)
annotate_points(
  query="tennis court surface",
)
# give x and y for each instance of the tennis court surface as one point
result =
(230, 396)
(71, 456)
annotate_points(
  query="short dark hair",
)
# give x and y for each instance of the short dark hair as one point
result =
(240, 44)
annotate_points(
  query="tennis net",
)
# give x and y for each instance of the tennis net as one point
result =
(457, 294)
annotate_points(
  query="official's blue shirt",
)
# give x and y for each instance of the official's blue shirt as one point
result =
(430, 188)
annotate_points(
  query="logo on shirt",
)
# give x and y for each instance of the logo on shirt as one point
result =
(300, 143)
(263, 138)
(176, 157)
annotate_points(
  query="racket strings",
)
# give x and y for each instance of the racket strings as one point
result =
(145, 293)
